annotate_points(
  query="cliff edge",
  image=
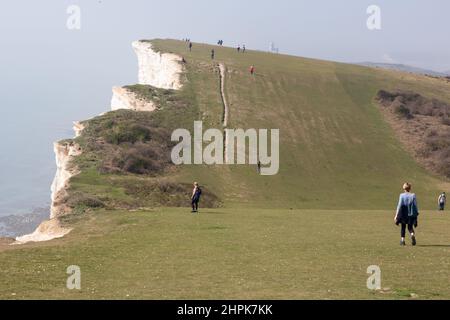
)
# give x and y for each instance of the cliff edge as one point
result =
(156, 69)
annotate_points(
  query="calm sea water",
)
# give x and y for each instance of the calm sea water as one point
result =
(49, 77)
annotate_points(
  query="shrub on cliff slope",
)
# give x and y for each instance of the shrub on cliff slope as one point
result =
(80, 202)
(428, 134)
(126, 153)
(414, 103)
(126, 142)
(122, 133)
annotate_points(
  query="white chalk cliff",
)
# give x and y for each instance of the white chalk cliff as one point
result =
(160, 70)
(78, 127)
(65, 153)
(51, 229)
(126, 99)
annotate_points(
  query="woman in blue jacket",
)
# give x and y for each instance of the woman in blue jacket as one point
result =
(196, 193)
(407, 213)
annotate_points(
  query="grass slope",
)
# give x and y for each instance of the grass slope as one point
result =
(233, 254)
(336, 149)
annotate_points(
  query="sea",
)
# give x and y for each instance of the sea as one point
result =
(50, 76)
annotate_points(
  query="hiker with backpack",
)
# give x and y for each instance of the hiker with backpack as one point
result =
(441, 201)
(407, 214)
(195, 198)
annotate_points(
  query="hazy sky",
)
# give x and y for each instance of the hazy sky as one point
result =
(413, 31)
(50, 76)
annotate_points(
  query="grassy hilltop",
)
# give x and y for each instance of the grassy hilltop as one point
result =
(336, 150)
(327, 215)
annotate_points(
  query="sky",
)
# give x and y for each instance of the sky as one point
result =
(51, 76)
(412, 31)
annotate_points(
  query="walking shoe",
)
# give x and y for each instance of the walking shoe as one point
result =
(402, 243)
(413, 239)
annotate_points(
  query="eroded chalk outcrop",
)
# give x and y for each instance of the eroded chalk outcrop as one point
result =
(47, 230)
(161, 70)
(125, 99)
(78, 127)
(65, 169)
(156, 69)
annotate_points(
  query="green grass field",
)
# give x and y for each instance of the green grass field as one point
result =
(336, 151)
(309, 232)
(233, 254)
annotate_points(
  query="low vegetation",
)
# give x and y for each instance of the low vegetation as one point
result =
(126, 159)
(410, 104)
(428, 125)
(163, 98)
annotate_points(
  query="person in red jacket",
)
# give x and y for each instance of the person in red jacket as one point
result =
(252, 70)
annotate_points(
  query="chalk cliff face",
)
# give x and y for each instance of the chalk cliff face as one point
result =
(125, 99)
(46, 231)
(65, 152)
(78, 127)
(161, 70)
(51, 229)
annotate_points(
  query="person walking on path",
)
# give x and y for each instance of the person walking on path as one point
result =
(195, 198)
(407, 214)
(252, 70)
(239, 48)
(190, 46)
(243, 48)
(441, 201)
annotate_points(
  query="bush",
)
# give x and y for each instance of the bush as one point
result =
(443, 163)
(125, 133)
(416, 103)
(431, 133)
(141, 158)
(435, 151)
(402, 111)
(77, 200)
(445, 120)
(124, 141)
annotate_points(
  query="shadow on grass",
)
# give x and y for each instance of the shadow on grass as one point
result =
(210, 212)
(434, 245)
